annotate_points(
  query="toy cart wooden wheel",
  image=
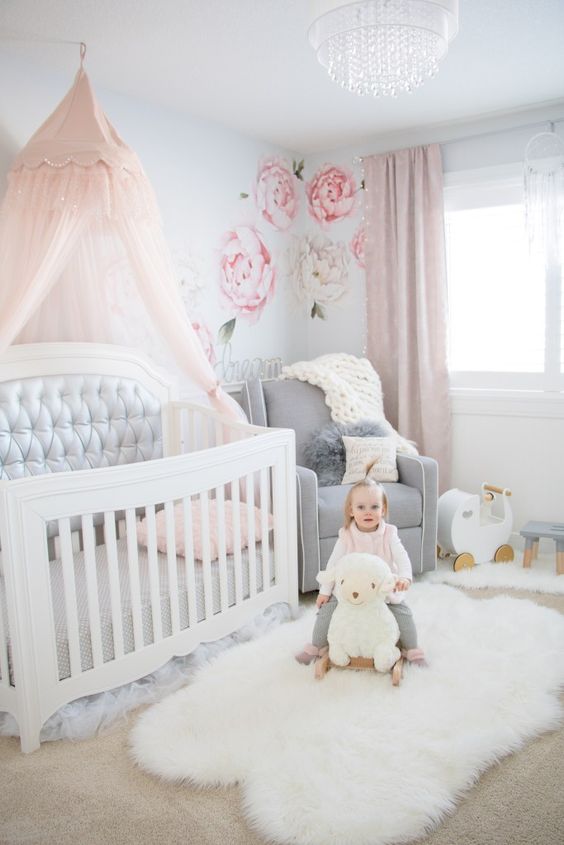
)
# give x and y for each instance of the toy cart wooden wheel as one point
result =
(504, 554)
(463, 561)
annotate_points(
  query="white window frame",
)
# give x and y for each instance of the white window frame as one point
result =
(499, 184)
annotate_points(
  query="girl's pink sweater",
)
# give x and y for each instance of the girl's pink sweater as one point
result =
(383, 542)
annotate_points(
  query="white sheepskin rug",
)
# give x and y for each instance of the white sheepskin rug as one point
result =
(351, 759)
(541, 577)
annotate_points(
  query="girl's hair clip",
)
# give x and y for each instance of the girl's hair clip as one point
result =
(368, 469)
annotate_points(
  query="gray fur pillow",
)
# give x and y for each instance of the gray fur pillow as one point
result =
(325, 452)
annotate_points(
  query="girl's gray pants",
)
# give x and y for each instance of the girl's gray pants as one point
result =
(402, 614)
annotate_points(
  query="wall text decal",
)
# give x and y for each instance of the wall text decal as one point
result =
(230, 371)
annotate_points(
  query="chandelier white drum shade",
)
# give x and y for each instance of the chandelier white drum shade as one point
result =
(382, 47)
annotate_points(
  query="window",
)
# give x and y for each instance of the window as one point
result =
(506, 312)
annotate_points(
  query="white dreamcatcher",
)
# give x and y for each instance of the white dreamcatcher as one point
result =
(544, 195)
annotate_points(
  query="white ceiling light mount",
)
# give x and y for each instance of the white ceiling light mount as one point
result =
(382, 47)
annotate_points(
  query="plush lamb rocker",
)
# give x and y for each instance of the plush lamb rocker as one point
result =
(362, 624)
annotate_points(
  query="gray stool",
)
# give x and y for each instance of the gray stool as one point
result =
(533, 531)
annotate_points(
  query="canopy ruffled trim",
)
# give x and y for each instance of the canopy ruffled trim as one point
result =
(98, 190)
(55, 155)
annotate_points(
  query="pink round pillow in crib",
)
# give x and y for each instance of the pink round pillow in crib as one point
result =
(142, 532)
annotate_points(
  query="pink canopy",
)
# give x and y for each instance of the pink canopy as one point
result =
(82, 251)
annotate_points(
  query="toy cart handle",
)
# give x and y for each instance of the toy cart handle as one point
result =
(493, 489)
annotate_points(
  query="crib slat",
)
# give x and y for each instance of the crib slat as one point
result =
(153, 565)
(4, 667)
(265, 534)
(191, 434)
(222, 552)
(218, 433)
(206, 554)
(252, 550)
(113, 577)
(189, 562)
(235, 498)
(205, 427)
(69, 584)
(89, 546)
(171, 566)
(134, 585)
(280, 517)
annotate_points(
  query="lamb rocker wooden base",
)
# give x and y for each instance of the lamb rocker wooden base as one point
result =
(323, 664)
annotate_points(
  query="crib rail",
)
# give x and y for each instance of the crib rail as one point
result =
(193, 427)
(127, 566)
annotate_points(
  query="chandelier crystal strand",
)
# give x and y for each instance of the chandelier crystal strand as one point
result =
(544, 195)
(382, 47)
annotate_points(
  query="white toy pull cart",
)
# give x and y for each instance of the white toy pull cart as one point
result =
(475, 527)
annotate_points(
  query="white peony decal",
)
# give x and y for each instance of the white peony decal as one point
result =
(319, 270)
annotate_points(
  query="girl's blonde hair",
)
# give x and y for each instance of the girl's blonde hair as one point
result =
(364, 482)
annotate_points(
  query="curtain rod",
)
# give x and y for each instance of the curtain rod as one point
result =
(489, 133)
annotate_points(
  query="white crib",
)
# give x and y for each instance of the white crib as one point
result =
(83, 607)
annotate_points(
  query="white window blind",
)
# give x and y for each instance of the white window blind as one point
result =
(506, 309)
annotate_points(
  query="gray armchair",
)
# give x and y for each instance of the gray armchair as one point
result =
(412, 500)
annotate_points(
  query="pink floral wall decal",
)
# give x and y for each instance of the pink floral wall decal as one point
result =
(247, 274)
(331, 194)
(319, 269)
(276, 194)
(206, 339)
(190, 269)
(358, 244)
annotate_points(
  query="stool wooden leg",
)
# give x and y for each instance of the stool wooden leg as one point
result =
(559, 557)
(535, 549)
(528, 553)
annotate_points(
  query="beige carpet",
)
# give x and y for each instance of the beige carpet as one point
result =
(89, 792)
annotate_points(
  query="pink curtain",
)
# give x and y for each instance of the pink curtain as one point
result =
(407, 296)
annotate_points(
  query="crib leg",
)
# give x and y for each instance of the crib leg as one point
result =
(29, 738)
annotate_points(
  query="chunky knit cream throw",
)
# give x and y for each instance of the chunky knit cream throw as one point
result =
(352, 388)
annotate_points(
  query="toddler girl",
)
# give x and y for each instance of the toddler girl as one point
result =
(365, 530)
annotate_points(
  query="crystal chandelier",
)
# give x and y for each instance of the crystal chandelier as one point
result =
(382, 47)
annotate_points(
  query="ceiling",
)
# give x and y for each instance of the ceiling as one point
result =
(247, 64)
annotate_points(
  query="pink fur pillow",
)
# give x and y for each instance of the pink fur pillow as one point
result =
(197, 529)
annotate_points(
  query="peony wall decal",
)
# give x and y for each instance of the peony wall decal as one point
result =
(253, 252)
(206, 339)
(276, 191)
(331, 194)
(190, 269)
(319, 270)
(358, 245)
(247, 277)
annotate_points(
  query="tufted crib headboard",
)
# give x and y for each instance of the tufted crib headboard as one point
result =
(69, 406)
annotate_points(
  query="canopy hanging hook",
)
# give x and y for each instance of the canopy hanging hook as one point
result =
(82, 52)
